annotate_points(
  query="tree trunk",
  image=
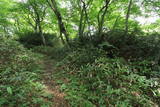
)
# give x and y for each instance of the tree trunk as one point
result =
(127, 16)
(63, 41)
(53, 5)
(83, 17)
(81, 23)
(39, 30)
(41, 34)
(101, 18)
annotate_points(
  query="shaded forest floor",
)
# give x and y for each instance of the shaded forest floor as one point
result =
(49, 80)
(79, 77)
(85, 75)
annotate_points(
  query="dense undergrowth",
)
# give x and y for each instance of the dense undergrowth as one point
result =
(119, 71)
(19, 76)
(94, 53)
(134, 45)
(31, 39)
(101, 81)
(115, 70)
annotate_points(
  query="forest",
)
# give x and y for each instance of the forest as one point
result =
(79, 53)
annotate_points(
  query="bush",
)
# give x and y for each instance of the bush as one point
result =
(30, 39)
(133, 46)
(18, 76)
(99, 81)
(82, 56)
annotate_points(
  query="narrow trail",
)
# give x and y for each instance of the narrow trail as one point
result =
(51, 86)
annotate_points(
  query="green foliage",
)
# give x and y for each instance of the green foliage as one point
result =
(103, 64)
(19, 71)
(82, 56)
(60, 53)
(47, 50)
(134, 46)
(34, 39)
(5, 23)
(101, 81)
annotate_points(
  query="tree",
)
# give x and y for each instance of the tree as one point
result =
(83, 7)
(5, 17)
(53, 6)
(152, 5)
(128, 15)
(34, 13)
(101, 16)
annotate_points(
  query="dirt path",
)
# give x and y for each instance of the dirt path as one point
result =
(51, 85)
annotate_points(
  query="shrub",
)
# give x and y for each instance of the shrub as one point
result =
(101, 81)
(108, 82)
(134, 45)
(46, 50)
(82, 56)
(30, 39)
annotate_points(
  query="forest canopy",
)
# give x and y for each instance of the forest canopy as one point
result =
(78, 16)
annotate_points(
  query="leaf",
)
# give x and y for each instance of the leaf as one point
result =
(63, 87)
(9, 90)
(106, 44)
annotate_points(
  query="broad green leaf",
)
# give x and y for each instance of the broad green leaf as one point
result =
(9, 90)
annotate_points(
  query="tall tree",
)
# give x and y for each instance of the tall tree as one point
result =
(83, 7)
(63, 31)
(34, 13)
(128, 15)
(101, 16)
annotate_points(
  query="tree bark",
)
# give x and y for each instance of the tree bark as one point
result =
(53, 5)
(34, 12)
(101, 18)
(38, 23)
(83, 17)
(127, 16)
(41, 34)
